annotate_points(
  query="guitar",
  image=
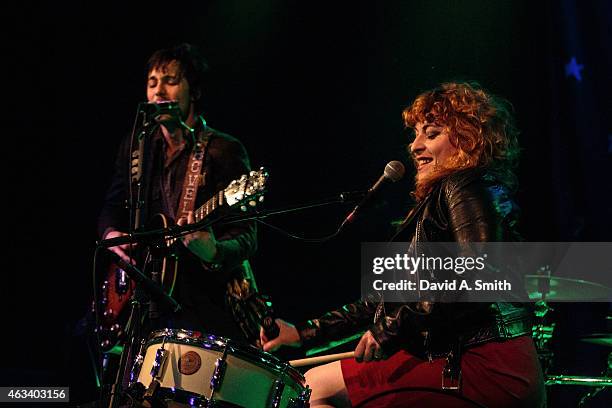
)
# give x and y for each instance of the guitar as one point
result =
(117, 288)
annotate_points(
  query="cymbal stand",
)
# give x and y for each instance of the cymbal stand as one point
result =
(589, 395)
(542, 332)
(542, 335)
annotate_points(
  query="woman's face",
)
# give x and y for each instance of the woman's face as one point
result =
(431, 148)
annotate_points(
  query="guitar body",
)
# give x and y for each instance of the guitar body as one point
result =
(160, 263)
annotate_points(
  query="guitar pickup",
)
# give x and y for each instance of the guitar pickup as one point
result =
(122, 281)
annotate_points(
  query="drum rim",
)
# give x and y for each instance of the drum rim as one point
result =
(182, 396)
(218, 343)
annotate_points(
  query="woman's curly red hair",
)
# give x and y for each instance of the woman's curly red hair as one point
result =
(480, 125)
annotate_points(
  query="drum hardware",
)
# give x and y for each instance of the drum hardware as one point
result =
(160, 359)
(557, 289)
(544, 287)
(152, 394)
(277, 392)
(136, 367)
(579, 380)
(607, 373)
(218, 374)
(302, 401)
(542, 334)
(602, 339)
(135, 392)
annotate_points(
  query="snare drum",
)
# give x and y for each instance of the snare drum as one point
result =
(188, 368)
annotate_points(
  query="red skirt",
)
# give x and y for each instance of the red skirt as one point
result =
(496, 374)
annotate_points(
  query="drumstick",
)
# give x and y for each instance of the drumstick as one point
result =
(321, 359)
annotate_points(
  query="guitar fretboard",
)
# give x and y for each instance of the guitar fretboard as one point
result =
(211, 205)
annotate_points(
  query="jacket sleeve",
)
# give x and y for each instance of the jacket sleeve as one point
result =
(235, 242)
(114, 214)
(338, 324)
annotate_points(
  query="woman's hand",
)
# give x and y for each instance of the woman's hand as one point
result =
(287, 336)
(202, 243)
(368, 349)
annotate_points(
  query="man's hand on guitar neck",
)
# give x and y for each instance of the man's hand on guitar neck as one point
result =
(202, 243)
(121, 250)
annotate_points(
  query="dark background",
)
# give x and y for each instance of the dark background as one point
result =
(315, 91)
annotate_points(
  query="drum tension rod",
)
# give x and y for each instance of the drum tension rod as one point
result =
(156, 372)
(217, 377)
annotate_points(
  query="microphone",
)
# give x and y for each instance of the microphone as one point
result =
(160, 108)
(171, 108)
(394, 171)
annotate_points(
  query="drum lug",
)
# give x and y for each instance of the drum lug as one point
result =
(217, 377)
(158, 364)
(302, 401)
(276, 394)
(136, 368)
(137, 365)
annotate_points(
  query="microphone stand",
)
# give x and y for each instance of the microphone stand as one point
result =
(177, 231)
(135, 206)
(134, 325)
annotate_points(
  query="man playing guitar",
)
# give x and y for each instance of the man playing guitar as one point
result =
(186, 163)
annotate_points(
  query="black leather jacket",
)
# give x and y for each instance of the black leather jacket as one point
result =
(467, 206)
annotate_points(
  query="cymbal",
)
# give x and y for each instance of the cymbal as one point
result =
(565, 289)
(603, 339)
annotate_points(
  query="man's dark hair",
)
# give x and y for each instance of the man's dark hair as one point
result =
(192, 66)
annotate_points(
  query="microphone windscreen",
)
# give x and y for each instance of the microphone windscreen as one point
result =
(394, 170)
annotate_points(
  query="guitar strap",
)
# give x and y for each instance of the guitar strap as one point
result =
(248, 306)
(194, 176)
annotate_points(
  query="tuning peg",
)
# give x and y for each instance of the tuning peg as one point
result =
(243, 208)
(261, 198)
(252, 203)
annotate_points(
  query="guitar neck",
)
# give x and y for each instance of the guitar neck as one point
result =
(209, 206)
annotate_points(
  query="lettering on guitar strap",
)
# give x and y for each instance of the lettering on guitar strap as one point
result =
(193, 177)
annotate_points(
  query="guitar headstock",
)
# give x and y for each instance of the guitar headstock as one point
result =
(248, 190)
